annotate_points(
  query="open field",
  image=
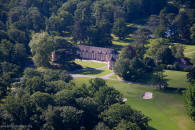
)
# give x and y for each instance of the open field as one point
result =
(166, 109)
(189, 50)
(89, 64)
(92, 71)
(177, 79)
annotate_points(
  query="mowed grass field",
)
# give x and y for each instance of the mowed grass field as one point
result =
(189, 50)
(93, 71)
(166, 109)
(89, 64)
(176, 79)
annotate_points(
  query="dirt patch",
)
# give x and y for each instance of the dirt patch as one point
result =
(147, 95)
(124, 99)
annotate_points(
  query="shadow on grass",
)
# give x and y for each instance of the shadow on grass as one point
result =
(89, 71)
(151, 128)
(117, 47)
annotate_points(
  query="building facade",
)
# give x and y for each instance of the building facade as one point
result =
(97, 53)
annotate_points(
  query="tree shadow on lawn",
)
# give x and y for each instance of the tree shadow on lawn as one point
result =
(117, 47)
(90, 71)
(151, 128)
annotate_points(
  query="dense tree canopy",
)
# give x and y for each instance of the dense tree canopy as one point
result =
(44, 33)
(32, 102)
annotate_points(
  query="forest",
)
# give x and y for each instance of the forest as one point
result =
(157, 33)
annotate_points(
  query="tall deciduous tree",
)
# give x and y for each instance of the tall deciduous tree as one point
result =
(41, 47)
(120, 28)
(192, 36)
(189, 95)
(153, 22)
(118, 112)
(141, 36)
(191, 76)
(160, 80)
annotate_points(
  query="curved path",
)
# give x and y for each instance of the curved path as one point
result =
(106, 77)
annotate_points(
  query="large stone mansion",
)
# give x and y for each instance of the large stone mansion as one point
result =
(97, 53)
(92, 53)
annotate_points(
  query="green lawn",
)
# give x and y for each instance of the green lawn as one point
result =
(189, 50)
(177, 79)
(113, 76)
(119, 44)
(165, 109)
(95, 72)
(89, 64)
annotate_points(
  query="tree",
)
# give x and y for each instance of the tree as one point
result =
(154, 45)
(167, 28)
(121, 68)
(65, 98)
(79, 31)
(66, 117)
(159, 79)
(189, 95)
(101, 126)
(20, 54)
(3, 35)
(30, 73)
(164, 56)
(127, 52)
(70, 6)
(178, 51)
(191, 76)
(96, 84)
(41, 47)
(193, 59)
(89, 107)
(192, 30)
(131, 8)
(42, 100)
(153, 22)
(118, 112)
(131, 70)
(36, 20)
(17, 36)
(120, 28)
(35, 84)
(130, 65)
(107, 96)
(60, 22)
(7, 50)
(100, 34)
(141, 36)
(19, 109)
(125, 125)
(56, 75)
(183, 26)
(7, 72)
